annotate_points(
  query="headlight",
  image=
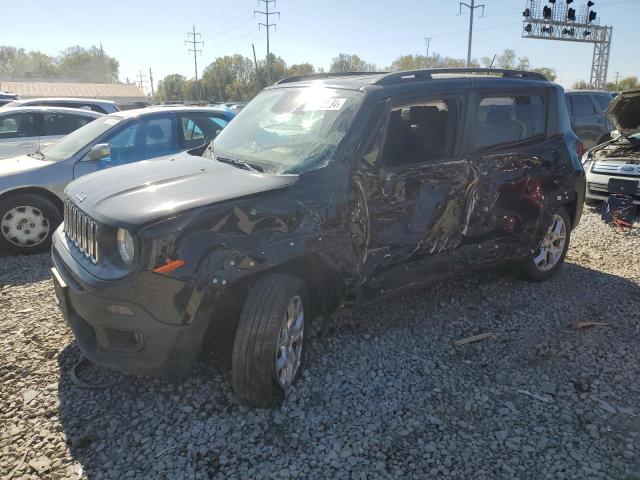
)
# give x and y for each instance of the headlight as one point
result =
(126, 246)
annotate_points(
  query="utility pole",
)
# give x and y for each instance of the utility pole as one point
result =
(427, 41)
(617, 77)
(255, 59)
(192, 40)
(267, 14)
(151, 82)
(142, 79)
(471, 8)
(219, 80)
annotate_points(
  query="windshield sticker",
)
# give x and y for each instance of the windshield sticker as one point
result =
(112, 121)
(332, 104)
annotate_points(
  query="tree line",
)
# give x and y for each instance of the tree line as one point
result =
(238, 78)
(76, 63)
(623, 85)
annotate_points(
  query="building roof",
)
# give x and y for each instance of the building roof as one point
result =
(107, 91)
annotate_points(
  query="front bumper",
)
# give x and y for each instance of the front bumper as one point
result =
(118, 332)
(597, 186)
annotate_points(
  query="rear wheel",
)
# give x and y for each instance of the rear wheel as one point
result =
(269, 344)
(27, 222)
(545, 261)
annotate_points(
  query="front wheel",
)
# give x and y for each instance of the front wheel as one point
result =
(269, 344)
(27, 222)
(544, 262)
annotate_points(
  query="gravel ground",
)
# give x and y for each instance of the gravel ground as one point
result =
(386, 393)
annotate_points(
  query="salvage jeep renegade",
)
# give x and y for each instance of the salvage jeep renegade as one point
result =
(324, 190)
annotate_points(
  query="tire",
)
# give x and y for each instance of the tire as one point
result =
(27, 222)
(255, 349)
(529, 269)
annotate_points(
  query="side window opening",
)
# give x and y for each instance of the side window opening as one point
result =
(197, 129)
(420, 132)
(501, 120)
(582, 106)
(19, 125)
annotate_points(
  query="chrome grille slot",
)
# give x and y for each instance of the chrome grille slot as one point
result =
(81, 230)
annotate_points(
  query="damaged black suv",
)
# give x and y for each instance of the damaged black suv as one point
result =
(324, 190)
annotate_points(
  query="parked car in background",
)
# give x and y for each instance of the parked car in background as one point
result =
(326, 188)
(589, 120)
(614, 166)
(31, 187)
(7, 97)
(100, 106)
(29, 129)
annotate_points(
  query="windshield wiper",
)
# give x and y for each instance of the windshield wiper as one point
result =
(240, 164)
(37, 155)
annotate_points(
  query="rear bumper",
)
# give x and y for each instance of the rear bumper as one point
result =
(122, 334)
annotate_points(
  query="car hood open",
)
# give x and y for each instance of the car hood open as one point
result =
(624, 112)
(139, 193)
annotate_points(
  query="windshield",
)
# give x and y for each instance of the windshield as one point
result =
(80, 138)
(289, 130)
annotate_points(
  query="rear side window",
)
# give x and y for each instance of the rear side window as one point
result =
(199, 128)
(63, 123)
(420, 131)
(509, 119)
(17, 125)
(602, 102)
(582, 106)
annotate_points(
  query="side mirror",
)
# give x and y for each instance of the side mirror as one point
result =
(99, 151)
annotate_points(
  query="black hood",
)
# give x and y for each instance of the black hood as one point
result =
(624, 112)
(139, 193)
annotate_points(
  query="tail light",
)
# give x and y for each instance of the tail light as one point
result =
(580, 150)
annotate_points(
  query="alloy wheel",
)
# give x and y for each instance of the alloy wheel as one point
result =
(289, 349)
(552, 246)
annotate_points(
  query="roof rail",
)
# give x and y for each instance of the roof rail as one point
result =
(320, 76)
(426, 74)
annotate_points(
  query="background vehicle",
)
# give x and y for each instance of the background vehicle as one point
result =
(7, 97)
(31, 187)
(28, 129)
(589, 120)
(326, 188)
(614, 167)
(100, 106)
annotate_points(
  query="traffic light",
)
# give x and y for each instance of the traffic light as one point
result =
(546, 12)
(592, 16)
(571, 14)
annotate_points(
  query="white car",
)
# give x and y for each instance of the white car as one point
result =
(26, 130)
(614, 166)
(93, 104)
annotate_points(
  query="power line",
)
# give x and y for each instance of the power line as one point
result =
(194, 48)
(267, 15)
(472, 9)
(230, 29)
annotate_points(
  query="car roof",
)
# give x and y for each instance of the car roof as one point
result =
(463, 76)
(139, 112)
(95, 101)
(596, 92)
(36, 108)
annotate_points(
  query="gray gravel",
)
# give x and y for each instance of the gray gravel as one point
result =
(386, 393)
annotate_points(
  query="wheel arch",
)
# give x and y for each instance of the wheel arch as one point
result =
(49, 195)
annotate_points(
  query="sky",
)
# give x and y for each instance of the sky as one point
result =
(143, 34)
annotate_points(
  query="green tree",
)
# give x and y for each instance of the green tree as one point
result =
(628, 83)
(550, 73)
(171, 89)
(350, 63)
(580, 85)
(87, 65)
